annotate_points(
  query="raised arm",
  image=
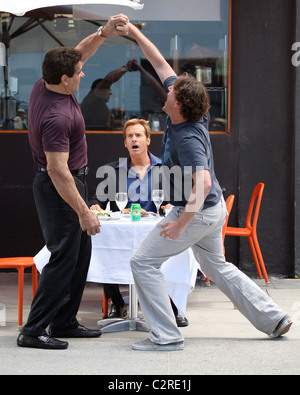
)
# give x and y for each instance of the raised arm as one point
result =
(133, 65)
(161, 66)
(89, 45)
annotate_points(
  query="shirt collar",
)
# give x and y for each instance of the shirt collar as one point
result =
(126, 163)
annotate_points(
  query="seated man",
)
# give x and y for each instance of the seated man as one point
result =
(137, 167)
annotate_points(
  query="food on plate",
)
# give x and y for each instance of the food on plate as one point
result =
(103, 213)
(168, 206)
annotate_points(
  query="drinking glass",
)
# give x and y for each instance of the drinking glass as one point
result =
(157, 198)
(121, 200)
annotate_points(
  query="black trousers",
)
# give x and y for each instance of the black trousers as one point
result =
(63, 279)
(112, 291)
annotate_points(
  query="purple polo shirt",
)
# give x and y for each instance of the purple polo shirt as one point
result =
(56, 124)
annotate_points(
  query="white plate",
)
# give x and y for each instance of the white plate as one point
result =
(149, 214)
(114, 218)
(103, 218)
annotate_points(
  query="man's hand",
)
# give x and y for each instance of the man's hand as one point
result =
(202, 184)
(89, 222)
(172, 230)
(96, 207)
(116, 26)
(132, 65)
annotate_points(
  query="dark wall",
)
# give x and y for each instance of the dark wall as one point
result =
(297, 145)
(258, 149)
(262, 114)
(20, 233)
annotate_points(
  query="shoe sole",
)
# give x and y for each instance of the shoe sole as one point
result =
(158, 347)
(183, 325)
(286, 329)
(45, 346)
(283, 329)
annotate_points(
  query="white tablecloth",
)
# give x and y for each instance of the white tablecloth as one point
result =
(112, 250)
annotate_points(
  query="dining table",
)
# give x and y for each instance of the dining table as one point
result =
(112, 250)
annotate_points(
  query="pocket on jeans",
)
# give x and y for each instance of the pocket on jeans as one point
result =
(206, 220)
(200, 225)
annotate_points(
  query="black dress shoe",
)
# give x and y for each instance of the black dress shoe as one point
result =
(46, 342)
(118, 312)
(79, 332)
(182, 321)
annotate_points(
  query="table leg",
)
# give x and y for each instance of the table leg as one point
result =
(133, 302)
(133, 323)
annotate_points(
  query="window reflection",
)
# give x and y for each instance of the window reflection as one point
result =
(120, 83)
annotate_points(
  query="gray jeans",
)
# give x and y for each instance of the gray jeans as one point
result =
(204, 235)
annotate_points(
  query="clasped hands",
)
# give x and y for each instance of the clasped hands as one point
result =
(117, 25)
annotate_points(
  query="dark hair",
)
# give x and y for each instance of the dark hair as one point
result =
(95, 83)
(60, 61)
(192, 96)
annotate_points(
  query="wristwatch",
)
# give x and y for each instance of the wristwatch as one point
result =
(100, 33)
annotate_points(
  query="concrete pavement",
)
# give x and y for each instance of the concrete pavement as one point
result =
(219, 340)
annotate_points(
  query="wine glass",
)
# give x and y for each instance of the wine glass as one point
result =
(121, 200)
(157, 198)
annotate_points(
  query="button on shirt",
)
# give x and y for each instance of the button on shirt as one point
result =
(139, 190)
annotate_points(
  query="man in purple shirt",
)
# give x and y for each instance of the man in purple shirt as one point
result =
(56, 133)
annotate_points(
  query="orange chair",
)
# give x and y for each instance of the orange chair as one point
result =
(105, 306)
(20, 264)
(229, 204)
(250, 230)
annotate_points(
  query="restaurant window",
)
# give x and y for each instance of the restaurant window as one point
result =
(119, 82)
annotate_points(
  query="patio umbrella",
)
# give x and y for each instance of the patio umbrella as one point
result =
(19, 8)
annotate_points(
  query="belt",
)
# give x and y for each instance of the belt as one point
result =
(80, 172)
